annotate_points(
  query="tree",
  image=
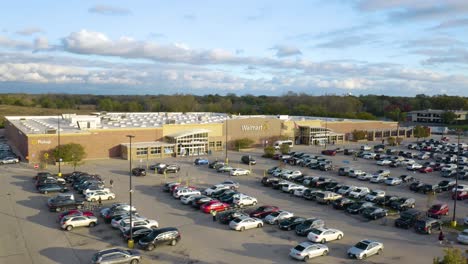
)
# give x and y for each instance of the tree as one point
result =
(71, 152)
(243, 143)
(452, 256)
(269, 151)
(391, 141)
(284, 148)
(421, 132)
(448, 117)
(359, 134)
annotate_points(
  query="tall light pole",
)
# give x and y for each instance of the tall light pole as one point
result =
(226, 143)
(326, 132)
(58, 149)
(130, 191)
(454, 220)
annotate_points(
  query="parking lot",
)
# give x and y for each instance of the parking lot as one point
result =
(30, 233)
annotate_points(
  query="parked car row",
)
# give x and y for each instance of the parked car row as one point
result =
(7, 156)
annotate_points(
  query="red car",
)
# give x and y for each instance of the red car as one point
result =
(426, 169)
(460, 195)
(263, 211)
(438, 210)
(329, 152)
(214, 205)
(75, 212)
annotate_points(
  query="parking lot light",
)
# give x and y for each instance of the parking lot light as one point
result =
(131, 243)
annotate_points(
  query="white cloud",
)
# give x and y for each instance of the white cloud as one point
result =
(15, 44)
(29, 31)
(41, 43)
(286, 51)
(109, 10)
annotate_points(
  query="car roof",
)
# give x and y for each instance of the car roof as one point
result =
(306, 244)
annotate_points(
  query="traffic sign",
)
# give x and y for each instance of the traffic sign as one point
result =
(46, 155)
(36, 166)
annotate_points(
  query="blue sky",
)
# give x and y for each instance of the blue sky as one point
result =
(392, 47)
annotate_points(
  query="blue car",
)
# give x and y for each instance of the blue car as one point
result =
(48, 188)
(201, 162)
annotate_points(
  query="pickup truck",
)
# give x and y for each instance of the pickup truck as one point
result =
(57, 204)
(327, 197)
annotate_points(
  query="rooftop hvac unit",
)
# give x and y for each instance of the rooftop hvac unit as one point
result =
(51, 131)
(170, 121)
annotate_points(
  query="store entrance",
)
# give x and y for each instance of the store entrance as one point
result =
(192, 150)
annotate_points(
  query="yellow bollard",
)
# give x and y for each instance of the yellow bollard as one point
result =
(131, 243)
(59, 174)
(453, 223)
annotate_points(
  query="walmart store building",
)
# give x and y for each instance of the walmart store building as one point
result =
(157, 135)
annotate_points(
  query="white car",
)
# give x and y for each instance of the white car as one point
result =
(408, 161)
(231, 184)
(355, 173)
(185, 191)
(70, 222)
(461, 188)
(244, 200)
(365, 248)
(323, 235)
(93, 189)
(414, 166)
(187, 199)
(369, 156)
(374, 194)
(239, 172)
(103, 195)
(299, 192)
(365, 177)
(241, 224)
(215, 188)
(384, 162)
(378, 178)
(465, 220)
(393, 181)
(289, 188)
(359, 192)
(345, 189)
(291, 175)
(306, 250)
(463, 237)
(449, 167)
(275, 217)
(115, 222)
(137, 221)
(9, 160)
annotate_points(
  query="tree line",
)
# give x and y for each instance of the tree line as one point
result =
(291, 103)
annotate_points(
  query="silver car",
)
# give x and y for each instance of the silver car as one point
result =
(70, 222)
(365, 248)
(116, 255)
(306, 250)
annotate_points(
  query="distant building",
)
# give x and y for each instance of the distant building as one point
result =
(434, 116)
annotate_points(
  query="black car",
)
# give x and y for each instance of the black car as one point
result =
(198, 202)
(408, 218)
(329, 186)
(374, 213)
(342, 203)
(310, 194)
(416, 186)
(446, 185)
(138, 172)
(138, 232)
(357, 207)
(291, 223)
(249, 160)
(167, 235)
(213, 164)
(325, 167)
(403, 204)
(268, 181)
(226, 217)
(171, 168)
(217, 194)
(304, 228)
(427, 225)
(228, 197)
(430, 188)
(386, 200)
(57, 205)
(349, 152)
(48, 188)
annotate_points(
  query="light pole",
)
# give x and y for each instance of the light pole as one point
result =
(226, 143)
(130, 241)
(58, 149)
(454, 220)
(326, 132)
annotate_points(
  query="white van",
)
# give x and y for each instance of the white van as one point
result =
(278, 143)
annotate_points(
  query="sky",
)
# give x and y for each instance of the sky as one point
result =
(261, 47)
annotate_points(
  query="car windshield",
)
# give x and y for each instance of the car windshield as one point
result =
(299, 248)
(361, 245)
(464, 233)
(237, 220)
(374, 193)
(316, 231)
(275, 214)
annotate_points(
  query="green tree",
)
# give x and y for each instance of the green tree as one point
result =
(448, 117)
(421, 132)
(269, 151)
(71, 152)
(391, 141)
(452, 256)
(285, 148)
(359, 134)
(243, 143)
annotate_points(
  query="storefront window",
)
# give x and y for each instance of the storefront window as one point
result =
(155, 150)
(142, 151)
(212, 144)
